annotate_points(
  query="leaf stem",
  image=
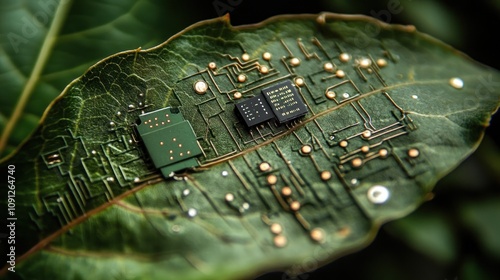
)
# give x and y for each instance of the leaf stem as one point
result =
(43, 56)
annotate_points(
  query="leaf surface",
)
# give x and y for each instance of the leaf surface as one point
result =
(46, 44)
(291, 196)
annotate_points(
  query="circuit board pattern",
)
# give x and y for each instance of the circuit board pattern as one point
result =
(315, 171)
(343, 133)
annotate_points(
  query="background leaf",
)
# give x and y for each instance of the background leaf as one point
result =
(428, 233)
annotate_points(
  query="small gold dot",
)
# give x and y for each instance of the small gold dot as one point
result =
(318, 235)
(229, 197)
(200, 87)
(272, 179)
(171, 158)
(237, 95)
(276, 228)
(295, 61)
(299, 82)
(326, 175)
(188, 152)
(174, 139)
(212, 66)
(330, 94)
(328, 66)
(366, 133)
(413, 153)
(365, 149)
(365, 63)
(181, 154)
(340, 74)
(161, 143)
(286, 191)
(295, 205)
(381, 62)
(344, 57)
(242, 78)
(383, 152)
(245, 57)
(265, 166)
(180, 145)
(306, 149)
(171, 151)
(266, 56)
(457, 83)
(280, 241)
(263, 69)
(344, 232)
(357, 162)
(343, 143)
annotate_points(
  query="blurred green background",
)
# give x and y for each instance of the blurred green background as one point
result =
(454, 236)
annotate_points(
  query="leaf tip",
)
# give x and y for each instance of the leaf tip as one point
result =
(321, 19)
(226, 18)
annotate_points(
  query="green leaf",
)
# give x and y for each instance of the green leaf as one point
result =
(481, 218)
(375, 139)
(46, 44)
(473, 268)
(429, 233)
(445, 25)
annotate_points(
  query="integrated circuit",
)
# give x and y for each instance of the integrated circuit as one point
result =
(169, 139)
(255, 110)
(285, 101)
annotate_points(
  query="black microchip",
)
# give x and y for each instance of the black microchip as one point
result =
(285, 101)
(255, 110)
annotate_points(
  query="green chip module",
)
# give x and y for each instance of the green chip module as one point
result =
(169, 139)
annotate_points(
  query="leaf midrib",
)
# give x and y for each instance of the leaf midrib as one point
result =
(41, 60)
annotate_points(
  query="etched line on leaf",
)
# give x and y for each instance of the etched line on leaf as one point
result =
(93, 254)
(46, 241)
(136, 209)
